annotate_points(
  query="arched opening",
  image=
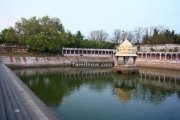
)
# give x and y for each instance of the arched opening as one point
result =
(174, 57)
(110, 52)
(144, 56)
(148, 56)
(88, 52)
(162, 56)
(168, 57)
(72, 51)
(153, 56)
(92, 52)
(103, 52)
(106, 52)
(158, 56)
(64, 51)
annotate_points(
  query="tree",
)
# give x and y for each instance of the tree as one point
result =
(99, 35)
(138, 34)
(1, 40)
(160, 35)
(155, 32)
(130, 36)
(41, 34)
(9, 35)
(79, 35)
(117, 36)
(78, 38)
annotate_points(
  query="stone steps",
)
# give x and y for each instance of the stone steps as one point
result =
(17, 102)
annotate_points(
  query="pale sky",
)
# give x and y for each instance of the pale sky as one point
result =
(89, 15)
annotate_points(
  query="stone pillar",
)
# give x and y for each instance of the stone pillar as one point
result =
(112, 53)
(126, 59)
(69, 52)
(160, 56)
(142, 56)
(176, 57)
(116, 61)
(62, 51)
(82, 52)
(165, 57)
(134, 60)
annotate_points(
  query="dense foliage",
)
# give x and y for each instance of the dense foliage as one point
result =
(162, 37)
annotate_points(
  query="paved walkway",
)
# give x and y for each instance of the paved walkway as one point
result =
(17, 102)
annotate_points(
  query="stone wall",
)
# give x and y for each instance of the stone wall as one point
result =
(48, 61)
(158, 64)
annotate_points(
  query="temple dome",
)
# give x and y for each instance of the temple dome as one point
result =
(125, 49)
(125, 44)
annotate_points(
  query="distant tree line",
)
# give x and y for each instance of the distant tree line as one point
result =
(49, 35)
(149, 35)
(161, 36)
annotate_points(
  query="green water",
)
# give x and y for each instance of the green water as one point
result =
(97, 94)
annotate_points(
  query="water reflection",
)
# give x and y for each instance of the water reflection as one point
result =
(165, 79)
(124, 86)
(153, 85)
(52, 84)
(116, 94)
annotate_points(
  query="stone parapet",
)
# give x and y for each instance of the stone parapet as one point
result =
(48, 61)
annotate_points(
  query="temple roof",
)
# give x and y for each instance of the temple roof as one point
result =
(126, 44)
(125, 49)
